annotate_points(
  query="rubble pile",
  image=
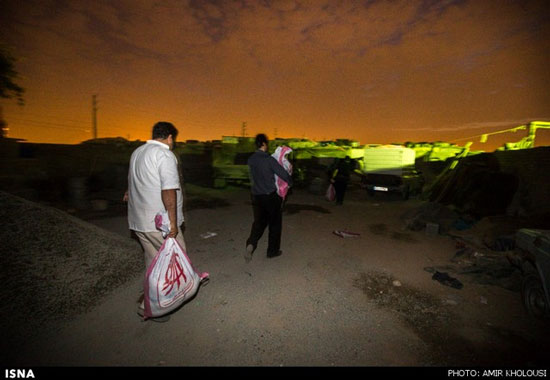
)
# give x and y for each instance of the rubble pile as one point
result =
(55, 266)
(514, 183)
(481, 203)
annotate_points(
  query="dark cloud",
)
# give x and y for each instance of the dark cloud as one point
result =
(214, 16)
(300, 65)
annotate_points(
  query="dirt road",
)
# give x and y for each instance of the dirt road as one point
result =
(327, 301)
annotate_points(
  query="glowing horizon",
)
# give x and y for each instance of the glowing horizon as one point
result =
(374, 72)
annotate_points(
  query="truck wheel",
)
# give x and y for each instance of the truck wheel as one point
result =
(532, 293)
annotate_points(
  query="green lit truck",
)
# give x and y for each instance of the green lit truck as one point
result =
(229, 160)
(390, 169)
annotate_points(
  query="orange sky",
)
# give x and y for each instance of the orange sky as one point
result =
(373, 71)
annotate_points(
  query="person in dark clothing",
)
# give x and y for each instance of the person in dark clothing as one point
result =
(267, 204)
(340, 178)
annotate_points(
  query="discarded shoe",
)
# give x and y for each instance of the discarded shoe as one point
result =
(275, 255)
(248, 253)
(445, 279)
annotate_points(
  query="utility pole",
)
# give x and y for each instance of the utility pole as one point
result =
(94, 116)
(3, 125)
(243, 130)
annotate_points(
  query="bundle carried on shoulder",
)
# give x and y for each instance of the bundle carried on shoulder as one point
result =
(280, 155)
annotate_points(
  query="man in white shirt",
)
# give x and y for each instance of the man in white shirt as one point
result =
(154, 186)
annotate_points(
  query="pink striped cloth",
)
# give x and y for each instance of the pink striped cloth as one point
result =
(280, 155)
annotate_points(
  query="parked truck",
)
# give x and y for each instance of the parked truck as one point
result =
(311, 159)
(390, 168)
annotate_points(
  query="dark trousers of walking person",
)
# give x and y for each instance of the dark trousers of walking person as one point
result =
(267, 212)
(340, 188)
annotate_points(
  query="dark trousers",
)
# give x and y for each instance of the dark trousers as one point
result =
(340, 188)
(267, 212)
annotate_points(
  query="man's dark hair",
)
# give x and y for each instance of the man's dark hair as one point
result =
(260, 140)
(163, 129)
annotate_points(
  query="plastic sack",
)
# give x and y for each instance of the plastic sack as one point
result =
(162, 223)
(170, 280)
(330, 195)
(280, 155)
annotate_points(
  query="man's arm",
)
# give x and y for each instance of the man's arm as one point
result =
(169, 199)
(280, 171)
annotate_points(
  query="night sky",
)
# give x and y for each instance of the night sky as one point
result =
(373, 71)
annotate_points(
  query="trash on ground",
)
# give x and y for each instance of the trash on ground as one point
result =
(432, 228)
(504, 243)
(447, 280)
(208, 235)
(450, 302)
(345, 234)
(463, 223)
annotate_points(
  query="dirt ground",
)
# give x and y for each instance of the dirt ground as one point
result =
(327, 301)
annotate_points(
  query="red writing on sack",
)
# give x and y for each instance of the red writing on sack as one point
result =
(173, 274)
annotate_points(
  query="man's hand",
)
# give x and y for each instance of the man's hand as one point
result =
(173, 232)
(125, 197)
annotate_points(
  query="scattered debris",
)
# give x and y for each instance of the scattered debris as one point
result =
(431, 213)
(464, 223)
(450, 302)
(504, 243)
(464, 256)
(432, 228)
(506, 182)
(345, 234)
(208, 235)
(396, 283)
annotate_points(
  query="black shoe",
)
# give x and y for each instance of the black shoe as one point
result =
(275, 255)
(248, 253)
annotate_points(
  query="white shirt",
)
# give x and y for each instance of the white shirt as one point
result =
(153, 167)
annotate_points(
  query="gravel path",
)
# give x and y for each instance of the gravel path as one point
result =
(327, 300)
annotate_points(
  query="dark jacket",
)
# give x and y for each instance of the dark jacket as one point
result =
(263, 167)
(343, 170)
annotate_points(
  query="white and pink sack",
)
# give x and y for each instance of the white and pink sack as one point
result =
(330, 194)
(280, 155)
(171, 279)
